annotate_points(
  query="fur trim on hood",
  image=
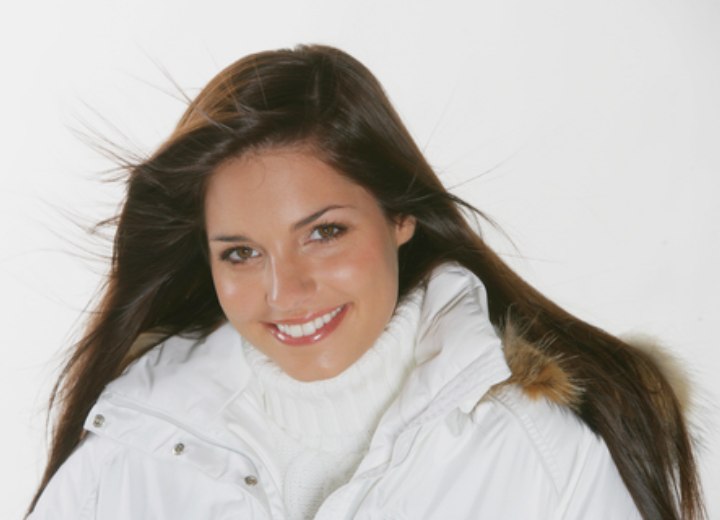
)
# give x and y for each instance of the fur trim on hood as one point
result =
(536, 372)
(542, 375)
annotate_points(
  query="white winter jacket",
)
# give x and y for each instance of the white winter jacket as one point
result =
(449, 447)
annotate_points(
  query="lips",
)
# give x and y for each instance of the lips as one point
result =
(309, 330)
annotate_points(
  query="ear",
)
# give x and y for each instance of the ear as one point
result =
(404, 228)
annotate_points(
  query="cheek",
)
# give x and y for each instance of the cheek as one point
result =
(236, 297)
(369, 266)
(225, 286)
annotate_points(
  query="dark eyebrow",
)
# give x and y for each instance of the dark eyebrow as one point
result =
(229, 238)
(299, 224)
(311, 218)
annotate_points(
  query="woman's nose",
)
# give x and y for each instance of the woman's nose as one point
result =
(290, 284)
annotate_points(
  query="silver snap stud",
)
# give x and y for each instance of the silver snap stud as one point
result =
(98, 420)
(251, 480)
(178, 449)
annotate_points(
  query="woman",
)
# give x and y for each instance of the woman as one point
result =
(299, 322)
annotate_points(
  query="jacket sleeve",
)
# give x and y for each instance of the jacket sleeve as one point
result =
(71, 494)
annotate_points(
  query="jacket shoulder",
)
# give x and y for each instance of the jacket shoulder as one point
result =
(547, 440)
(72, 491)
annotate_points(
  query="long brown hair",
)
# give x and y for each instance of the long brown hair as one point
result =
(321, 97)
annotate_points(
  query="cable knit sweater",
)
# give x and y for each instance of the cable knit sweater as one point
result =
(320, 430)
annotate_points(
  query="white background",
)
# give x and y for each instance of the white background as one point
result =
(589, 130)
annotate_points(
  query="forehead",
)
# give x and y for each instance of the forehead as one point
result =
(281, 185)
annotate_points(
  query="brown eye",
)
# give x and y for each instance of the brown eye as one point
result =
(326, 232)
(239, 255)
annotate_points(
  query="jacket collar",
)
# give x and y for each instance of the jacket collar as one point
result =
(459, 358)
(185, 379)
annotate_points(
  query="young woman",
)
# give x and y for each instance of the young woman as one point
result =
(299, 322)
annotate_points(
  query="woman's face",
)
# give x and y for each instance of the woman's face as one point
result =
(304, 261)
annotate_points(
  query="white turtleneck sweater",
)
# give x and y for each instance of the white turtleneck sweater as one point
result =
(320, 430)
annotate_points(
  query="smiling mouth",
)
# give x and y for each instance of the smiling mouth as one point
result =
(310, 331)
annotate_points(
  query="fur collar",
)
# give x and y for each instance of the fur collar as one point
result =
(536, 372)
(542, 375)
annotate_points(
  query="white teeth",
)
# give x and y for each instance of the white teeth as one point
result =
(295, 330)
(308, 328)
